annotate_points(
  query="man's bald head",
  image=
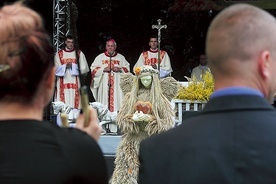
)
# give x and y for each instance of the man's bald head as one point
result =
(239, 33)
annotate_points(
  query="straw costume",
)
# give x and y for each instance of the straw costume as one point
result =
(154, 105)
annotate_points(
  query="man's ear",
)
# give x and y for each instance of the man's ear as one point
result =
(265, 64)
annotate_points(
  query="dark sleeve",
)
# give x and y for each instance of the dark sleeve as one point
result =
(84, 157)
(154, 161)
(143, 171)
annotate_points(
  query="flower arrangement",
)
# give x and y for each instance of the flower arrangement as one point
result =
(197, 91)
(137, 70)
(145, 68)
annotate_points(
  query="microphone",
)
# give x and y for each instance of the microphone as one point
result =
(110, 53)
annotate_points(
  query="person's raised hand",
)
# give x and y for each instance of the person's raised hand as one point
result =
(93, 129)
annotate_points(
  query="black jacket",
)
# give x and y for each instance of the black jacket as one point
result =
(232, 140)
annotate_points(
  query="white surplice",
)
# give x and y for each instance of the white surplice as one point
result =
(105, 86)
(199, 71)
(151, 57)
(68, 83)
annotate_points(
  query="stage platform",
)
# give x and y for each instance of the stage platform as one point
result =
(109, 144)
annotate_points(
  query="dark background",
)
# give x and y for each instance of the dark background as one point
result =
(130, 22)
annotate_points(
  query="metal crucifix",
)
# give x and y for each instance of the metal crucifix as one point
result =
(159, 27)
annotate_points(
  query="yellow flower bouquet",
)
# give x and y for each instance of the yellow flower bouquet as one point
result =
(197, 91)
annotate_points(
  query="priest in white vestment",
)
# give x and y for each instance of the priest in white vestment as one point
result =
(67, 72)
(199, 71)
(150, 57)
(105, 71)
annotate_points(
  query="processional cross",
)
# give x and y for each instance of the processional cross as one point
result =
(159, 27)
